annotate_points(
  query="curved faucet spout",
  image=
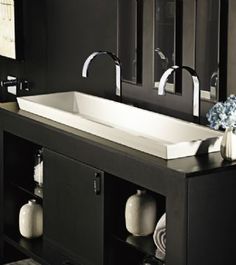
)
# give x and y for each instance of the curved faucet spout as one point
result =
(196, 86)
(117, 65)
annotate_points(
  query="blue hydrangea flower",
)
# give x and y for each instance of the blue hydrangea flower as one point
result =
(223, 114)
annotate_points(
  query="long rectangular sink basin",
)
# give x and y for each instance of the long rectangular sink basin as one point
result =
(143, 130)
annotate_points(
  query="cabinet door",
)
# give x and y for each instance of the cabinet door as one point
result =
(73, 208)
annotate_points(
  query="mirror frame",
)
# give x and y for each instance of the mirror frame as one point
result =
(221, 90)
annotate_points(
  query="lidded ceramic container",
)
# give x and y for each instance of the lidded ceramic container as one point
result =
(140, 214)
(31, 220)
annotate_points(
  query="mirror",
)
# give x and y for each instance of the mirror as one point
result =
(150, 40)
(130, 39)
(207, 47)
(164, 40)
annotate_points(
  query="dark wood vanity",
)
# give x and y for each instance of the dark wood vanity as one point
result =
(87, 181)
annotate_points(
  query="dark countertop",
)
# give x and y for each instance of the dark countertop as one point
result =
(111, 157)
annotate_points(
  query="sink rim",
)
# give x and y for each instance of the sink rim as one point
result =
(168, 146)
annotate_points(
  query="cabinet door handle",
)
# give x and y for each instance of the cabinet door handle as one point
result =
(97, 183)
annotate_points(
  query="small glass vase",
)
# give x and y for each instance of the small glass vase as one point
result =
(228, 144)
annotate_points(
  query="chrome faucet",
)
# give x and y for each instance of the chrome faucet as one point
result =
(117, 65)
(196, 86)
(21, 84)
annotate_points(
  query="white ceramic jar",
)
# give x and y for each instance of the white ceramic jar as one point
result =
(31, 220)
(140, 214)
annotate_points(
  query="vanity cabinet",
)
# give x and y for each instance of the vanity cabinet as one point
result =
(87, 181)
(73, 206)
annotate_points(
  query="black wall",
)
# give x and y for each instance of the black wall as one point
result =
(76, 29)
(58, 36)
(34, 65)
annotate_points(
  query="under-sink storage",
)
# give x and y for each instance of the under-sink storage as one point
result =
(84, 209)
(19, 188)
(196, 193)
(19, 185)
(137, 248)
(73, 205)
(19, 161)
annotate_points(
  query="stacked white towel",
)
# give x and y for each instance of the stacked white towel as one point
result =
(159, 237)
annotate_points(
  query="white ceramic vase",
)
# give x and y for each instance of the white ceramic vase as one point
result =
(228, 145)
(140, 214)
(31, 220)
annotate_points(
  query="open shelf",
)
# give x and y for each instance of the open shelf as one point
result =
(143, 246)
(38, 249)
(31, 248)
(11, 254)
(27, 187)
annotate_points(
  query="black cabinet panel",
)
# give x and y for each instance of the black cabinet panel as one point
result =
(73, 208)
(211, 221)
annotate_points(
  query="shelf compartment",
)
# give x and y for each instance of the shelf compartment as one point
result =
(31, 248)
(38, 249)
(19, 156)
(143, 244)
(14, 199)
(28, 188)
(11, 254)
(118, 193)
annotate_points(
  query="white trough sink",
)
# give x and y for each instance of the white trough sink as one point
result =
(150, 132)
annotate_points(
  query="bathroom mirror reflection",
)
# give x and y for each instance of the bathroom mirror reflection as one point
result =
(129, 38)
(207, 47)
(167, 40)
(150, 40)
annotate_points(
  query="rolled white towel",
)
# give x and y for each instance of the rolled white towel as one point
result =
(159, 237)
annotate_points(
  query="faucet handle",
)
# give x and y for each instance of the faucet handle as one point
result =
(20, 83)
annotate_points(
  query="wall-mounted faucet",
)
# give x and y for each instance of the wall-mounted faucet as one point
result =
(117, 65)
(196, 86)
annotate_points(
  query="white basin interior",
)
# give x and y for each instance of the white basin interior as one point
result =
(150, 132)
